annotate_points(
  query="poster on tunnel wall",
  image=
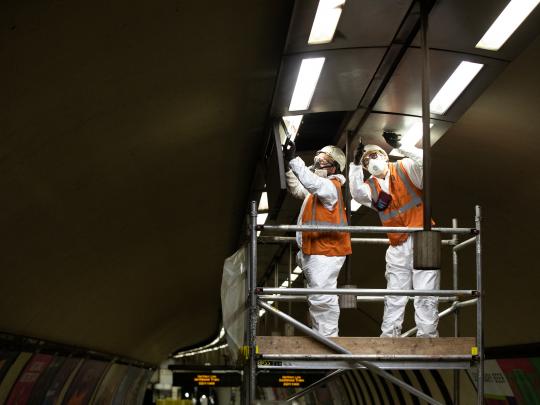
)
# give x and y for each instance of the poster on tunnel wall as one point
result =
(6, 360)
(12, 374)
(109, 384)
(125, 386)
(63, 376)
(85, 382)
(512, 381)
(45, 380)
(20, 393)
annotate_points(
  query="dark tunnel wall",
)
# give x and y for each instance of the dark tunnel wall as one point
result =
(117, 121)
(490, 158)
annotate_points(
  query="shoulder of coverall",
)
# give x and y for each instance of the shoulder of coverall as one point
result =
(339, 177)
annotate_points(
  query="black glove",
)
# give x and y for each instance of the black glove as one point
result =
(289, 151)
(392, 139)
(358, 152)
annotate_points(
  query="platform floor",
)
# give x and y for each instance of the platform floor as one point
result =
(444, 346)
(301, 352)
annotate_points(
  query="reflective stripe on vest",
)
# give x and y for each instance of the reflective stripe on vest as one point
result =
(327, 243)
(342, 220)
(415, 199)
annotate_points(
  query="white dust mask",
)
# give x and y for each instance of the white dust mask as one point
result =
(377, 166)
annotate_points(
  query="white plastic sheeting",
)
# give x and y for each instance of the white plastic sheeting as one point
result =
(233, 299)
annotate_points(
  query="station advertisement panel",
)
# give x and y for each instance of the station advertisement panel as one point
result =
(45, 380)
(20, 393)
(512, 381)
(85, 382)
(109, 384)
(62, 377)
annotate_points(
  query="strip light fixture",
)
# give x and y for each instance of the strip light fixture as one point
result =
(411, 136)
(263, 202)
(506, 23)
(307, 79)
(261, 220)
(325, 22)
(454, 86)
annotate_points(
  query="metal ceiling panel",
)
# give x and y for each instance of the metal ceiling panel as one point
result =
(372, 129)
(318, 130)
(403, 94)
(345, 76)
(458, 25)
(363, 23)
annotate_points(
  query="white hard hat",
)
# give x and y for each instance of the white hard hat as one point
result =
(335, 153)
(373, 148)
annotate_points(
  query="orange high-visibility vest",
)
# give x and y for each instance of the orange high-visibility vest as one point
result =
(325, 243)
(406, 207)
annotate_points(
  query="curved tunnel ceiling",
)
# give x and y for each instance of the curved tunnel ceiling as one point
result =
(128, 139)
(130, 135)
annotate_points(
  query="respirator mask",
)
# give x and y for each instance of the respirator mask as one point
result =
(377, 166)
(375, 163)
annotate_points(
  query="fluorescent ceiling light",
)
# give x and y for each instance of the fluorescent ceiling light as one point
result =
(355, 205)
(454, 86)
(292, 123)
(263, 202)
(309, 73)
(261, 220)
(411, 137)
(297, 270)
(325, 22)
(506, 23)
(293, 277)
(285, 283)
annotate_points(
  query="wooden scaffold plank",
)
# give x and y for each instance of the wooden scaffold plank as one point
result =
(295, 345)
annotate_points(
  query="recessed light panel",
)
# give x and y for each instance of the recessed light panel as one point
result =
(325, 22)
(454, 86)
(310, 70)
(506, 23)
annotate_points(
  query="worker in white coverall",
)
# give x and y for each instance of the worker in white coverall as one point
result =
(321, 254)
(394, 190)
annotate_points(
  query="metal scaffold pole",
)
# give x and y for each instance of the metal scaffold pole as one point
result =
(344, 358)
(426, 138)
(479, 307)
(251, 372)
(339, 349)
(456, 313)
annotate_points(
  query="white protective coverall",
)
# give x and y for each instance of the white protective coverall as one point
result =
(400, 274)
(320, 271)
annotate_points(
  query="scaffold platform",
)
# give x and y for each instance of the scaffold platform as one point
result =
(302, 352)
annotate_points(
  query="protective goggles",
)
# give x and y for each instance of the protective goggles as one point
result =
(322, 161)
(371, 155)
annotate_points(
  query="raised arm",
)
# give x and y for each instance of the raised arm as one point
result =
(413, 157)
(294, 186)
(413, 163)
(323, 188)
(360, 191)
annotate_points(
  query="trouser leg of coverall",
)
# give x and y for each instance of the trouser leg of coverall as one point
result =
(398, 276)
(401, 276)
(426, 314)
(322, 272)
